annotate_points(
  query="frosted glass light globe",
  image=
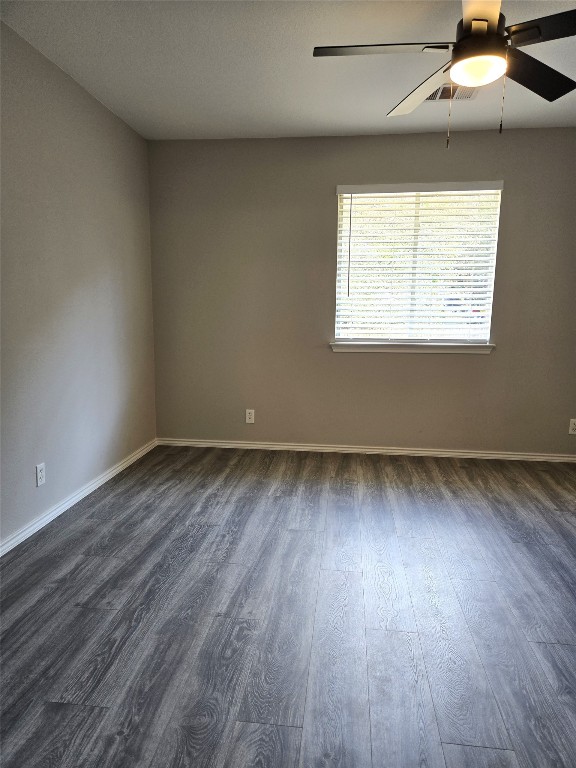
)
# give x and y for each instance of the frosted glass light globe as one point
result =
(478, 70)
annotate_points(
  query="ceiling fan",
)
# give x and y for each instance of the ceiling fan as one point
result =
(484, 50)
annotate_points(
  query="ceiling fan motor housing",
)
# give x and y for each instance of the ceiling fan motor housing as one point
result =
(470, 44)
(464, 31)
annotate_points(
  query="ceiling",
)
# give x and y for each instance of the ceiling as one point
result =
(216, 69)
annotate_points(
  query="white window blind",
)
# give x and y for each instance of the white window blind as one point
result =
(417, 265)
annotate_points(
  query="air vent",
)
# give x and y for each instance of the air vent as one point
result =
(459, 93)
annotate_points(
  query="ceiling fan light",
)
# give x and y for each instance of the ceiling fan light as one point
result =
(480, 70)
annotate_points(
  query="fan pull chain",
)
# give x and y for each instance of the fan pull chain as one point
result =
(349, 241)
(503, 94)
(449, 117)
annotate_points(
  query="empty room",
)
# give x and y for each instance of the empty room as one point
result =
(288, 377)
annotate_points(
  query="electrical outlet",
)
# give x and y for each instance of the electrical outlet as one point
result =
(40, 474)
(250, 413)
(572, 427)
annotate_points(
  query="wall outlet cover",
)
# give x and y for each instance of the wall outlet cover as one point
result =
(40, 474)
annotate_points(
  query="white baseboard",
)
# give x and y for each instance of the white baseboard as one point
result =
(44, 519)
(369, 449)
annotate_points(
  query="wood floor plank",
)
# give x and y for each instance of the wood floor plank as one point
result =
(129, 734)
(544, 490)
(452, 528)
(343, 536)
(491, 504)
(556, 569)
(555, 564)
(562, 473)
(206, 496)
(288, 485)
(132, 530)
(541, 736)
(458, 756)
(336, 723)
(407, 498)
(276, 687)
(376, 512)
(48, 655)
(463, 559)
(449, 522)
(251, 512)
(150, 481)
(78, 579)
(206, 711)
(403, 723)
(464, 702)
(242, 536)
(541, 730)
(559, 665)
(135, 570)
(464, 487)
(253, 474)
(534, 599)
(264, 746)
(49, 734)
(99, 676)
(137, 518)
(204, 588)
(539, 481)
(466, 710)
(308, 510)
(387, 600)
(43, 555)
(250, 595)
(487, 611)
(435, 602)
(512, 504)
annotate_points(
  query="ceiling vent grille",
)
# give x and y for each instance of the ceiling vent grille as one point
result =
(459, 93)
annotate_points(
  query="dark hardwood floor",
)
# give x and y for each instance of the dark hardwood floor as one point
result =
(236, 609)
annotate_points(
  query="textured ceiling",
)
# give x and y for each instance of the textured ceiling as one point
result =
(186, 70)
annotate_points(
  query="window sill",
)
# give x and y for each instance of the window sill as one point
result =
(415, 347)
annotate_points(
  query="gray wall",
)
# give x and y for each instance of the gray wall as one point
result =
(77, 341)
(244, 261)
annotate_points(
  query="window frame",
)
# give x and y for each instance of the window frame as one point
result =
(443, 347)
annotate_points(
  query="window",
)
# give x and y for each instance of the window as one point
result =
(416, 266)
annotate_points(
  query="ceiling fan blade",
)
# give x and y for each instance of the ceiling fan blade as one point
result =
(358, 50)
(481, 9)
(422, 92)
(547, 28)
(536, 76)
